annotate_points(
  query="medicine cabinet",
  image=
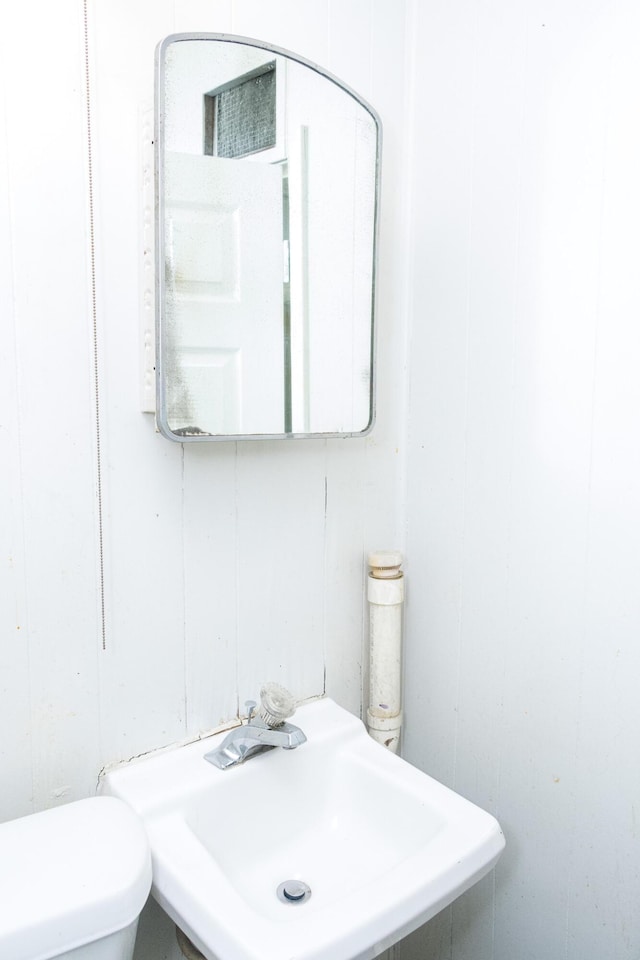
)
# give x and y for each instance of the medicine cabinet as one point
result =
(267, 180)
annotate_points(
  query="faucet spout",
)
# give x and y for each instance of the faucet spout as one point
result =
(252, 738)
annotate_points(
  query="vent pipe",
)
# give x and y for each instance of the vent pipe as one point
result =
(385, 592)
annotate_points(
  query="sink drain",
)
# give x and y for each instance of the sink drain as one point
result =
(294, 891)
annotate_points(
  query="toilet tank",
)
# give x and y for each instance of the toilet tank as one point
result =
(73, 881)
(117, 946)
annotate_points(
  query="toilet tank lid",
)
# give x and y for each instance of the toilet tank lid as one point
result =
(70, 875)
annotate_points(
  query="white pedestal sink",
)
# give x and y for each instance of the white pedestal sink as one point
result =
(381, 846)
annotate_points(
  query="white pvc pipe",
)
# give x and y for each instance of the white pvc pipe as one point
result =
(385, 592)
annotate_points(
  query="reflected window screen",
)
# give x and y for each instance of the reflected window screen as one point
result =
(240, 118)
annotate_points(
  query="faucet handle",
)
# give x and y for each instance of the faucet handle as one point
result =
(249, 707)
(276, 704)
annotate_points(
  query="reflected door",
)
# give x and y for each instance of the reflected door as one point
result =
(225, 356)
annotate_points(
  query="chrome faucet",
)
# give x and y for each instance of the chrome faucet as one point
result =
(262, 732)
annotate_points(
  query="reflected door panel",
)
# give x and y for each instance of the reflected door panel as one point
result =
(224, 296)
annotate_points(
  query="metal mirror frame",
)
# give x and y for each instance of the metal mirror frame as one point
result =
(159, 141)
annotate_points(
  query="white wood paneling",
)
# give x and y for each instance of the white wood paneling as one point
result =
(522, 655)
(211, 585)
(345, 549)
(224, 565)
(351, 62)
(15, 752)
(301, 27)
(279, 618)
(53, 588)
(143, 669)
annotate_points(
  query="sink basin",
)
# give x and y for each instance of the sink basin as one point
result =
(382, 846)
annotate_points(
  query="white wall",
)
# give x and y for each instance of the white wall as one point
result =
(523, 519)
(223, 564)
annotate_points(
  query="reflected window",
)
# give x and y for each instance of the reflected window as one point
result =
(240, 117)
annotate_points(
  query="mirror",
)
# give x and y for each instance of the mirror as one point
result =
(267, 172)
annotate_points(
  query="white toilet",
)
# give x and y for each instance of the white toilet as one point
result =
(73, 881)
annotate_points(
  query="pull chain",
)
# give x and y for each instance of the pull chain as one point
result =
(94, 317)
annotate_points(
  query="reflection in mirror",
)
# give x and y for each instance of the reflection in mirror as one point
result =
(267, 178)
